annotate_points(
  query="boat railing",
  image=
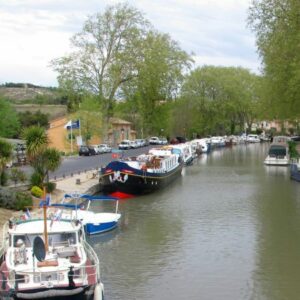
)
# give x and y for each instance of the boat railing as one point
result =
(92, 256)
(57, 277)
(3, 244)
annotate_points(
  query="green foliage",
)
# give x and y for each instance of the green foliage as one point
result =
(5, 153)
(17, 175)
(36, 179)
(3, 177)
(23, 200)
(36, 141)
(7, 198)
(293, 149)
(9, 122)
(50, 186)
(216, 100)
(36, 191)
(11, 199)
(30, 119)
(105, 54)
(90, 117)
(276, 24)
(42, 159)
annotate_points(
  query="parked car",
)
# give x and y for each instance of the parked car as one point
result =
(134, 145)
(104, 148)
(87, 151)
(125, 144)
(97, 149)
(163, 141)
(139, 142)
(154, 140)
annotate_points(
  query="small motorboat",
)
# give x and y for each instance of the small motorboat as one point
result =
(44, 258)
(93, 223)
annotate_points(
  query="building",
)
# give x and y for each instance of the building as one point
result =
(61, 139)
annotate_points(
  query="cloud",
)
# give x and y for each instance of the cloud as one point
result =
(33, 32)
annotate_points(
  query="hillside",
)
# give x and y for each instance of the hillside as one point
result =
(27, 97)
(27, 93)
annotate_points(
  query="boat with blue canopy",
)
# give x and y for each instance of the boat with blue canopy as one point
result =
(80, 209)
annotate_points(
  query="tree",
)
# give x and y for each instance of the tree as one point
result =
(90, 117)
(36, 141)
(17, 175)
(217, 100)
(30, 119)
(9, 122)
(49, 160)
(276, 24)
(41, 158)
(105, 54)
(159, 78)
(5, 156)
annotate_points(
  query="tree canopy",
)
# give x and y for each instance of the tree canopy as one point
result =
(216, 100)
(9, 122)
(276, 24)
(105, 54)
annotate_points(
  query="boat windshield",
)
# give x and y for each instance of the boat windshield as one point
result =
(55, 239)
(277, 151)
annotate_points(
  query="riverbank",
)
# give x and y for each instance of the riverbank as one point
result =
(84, 183)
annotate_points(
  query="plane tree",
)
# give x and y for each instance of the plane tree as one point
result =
(276, 25)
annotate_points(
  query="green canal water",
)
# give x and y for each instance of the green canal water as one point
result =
(228, 229)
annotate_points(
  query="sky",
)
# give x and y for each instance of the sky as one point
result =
(34, 32)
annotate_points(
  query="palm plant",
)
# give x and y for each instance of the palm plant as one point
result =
(42, 159)
(36, 141)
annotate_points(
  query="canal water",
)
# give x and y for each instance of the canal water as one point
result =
(228, 229)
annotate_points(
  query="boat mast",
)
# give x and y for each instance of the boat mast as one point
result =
(45, 228)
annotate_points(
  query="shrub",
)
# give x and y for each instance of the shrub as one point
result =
(23, 200)
(50, 187)
(7, 198)
(3, 178)
(36, 191)
(293, 149)
(36, 179)
(17, 175)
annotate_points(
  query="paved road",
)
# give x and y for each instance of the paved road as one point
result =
(77, 164)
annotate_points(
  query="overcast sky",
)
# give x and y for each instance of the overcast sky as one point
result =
(33, 32)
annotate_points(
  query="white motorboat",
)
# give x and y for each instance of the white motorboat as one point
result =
(278, 155)
(93, 222)
(47, 258)
(252, 138)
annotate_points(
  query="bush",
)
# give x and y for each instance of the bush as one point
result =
(3, 178)
(17, 175)
(293, 149)
(36, 179)
(36, 191)
(50, 187)
(23, 200)
(7, 198)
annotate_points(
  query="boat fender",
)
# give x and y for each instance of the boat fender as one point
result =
(98, 294)
(70, 277)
